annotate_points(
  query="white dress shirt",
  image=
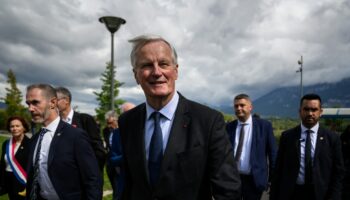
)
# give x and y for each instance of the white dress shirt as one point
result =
(244, 161)
(69, 118)
(313, 137)
(47, 190)
(166, 121)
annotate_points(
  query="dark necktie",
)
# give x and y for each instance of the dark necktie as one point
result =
(308, 160)
(155, 150)
(240, 143)
(34, 191)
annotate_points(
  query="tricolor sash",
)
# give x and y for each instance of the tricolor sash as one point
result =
(17, 169)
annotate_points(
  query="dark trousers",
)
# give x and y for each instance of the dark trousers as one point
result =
(13, 186)
(249, 190)
(303, 192)
(113, 178)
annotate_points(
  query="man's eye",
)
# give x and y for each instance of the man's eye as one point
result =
(146, 65)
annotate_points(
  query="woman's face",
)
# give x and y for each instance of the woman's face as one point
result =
(16, 128)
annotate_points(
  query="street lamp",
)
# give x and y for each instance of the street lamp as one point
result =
(112, 24)
(300, 62)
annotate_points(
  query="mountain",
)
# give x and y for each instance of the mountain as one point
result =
(284, 102)
(2, 105)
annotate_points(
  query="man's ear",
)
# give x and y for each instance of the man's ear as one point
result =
(135, 75)
(53, 103)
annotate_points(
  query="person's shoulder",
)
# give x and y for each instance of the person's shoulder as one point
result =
(331, 134)
(5, 143)
(83, 115)
(65, 127)
(292, 131)
(262, 122)
(198, 108)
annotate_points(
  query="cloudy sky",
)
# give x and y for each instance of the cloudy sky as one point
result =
(225, 47)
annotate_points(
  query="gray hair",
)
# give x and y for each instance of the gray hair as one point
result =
(48, 91)
(111, 114)
(65, 92)
(140, 41)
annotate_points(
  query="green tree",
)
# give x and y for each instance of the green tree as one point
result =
(13, 97)
(104, 96)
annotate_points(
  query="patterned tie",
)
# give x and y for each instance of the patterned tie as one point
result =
(34, 191)
(308, 160)
(240, 144)
(155, 151)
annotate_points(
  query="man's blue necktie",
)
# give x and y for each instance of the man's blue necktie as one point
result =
(155, 150)
(34, 191)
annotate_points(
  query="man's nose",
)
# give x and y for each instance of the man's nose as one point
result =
(156, 69)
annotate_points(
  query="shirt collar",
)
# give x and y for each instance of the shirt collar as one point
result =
(248, 122)
(53, 125)
(168, 110)
(314, 129)
(70, 116)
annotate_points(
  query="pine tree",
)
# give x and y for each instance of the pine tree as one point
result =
(104, 96)
(13, 97)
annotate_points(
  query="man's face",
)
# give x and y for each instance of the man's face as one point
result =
(62, 102)
(242, 107)
(155, 71)
(310, 112)
(38, 106)
(111, 123)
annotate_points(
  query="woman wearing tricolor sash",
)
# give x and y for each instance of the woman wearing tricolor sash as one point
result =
(14, 157)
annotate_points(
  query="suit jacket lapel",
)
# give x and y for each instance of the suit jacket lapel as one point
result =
(232, 132)
(296, 140)
(178, 132)
(139, 144)
(76, 120)
(179, 139)
(255, 133)
(319, 143)
(57, 136)
(34, 141)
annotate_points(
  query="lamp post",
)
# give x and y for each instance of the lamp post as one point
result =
(300, 62)
(112, 24)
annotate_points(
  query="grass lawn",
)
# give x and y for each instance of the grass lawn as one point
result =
(106, 185)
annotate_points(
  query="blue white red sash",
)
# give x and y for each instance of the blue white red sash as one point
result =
(17, 169)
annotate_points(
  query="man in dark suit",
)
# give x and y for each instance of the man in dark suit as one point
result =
(112, 127)
(254, 145)
(62, 164)
(173, 148)
(345, 140)
(309, 161)
(83, 121)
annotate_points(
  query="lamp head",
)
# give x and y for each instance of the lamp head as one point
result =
(112, 23)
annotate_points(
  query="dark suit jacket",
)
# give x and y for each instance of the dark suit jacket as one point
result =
(88, 124)
(198, 161)
(72, 165)
(22, 158)
(263, 148)
(116, 155)
(328, 166)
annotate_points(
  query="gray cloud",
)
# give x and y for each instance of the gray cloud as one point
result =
(225, 47)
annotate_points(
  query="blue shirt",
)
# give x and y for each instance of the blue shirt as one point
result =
(302, 140)
(166, 121)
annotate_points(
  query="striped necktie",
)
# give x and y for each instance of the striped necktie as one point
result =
(34, 191)
(240, 143)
